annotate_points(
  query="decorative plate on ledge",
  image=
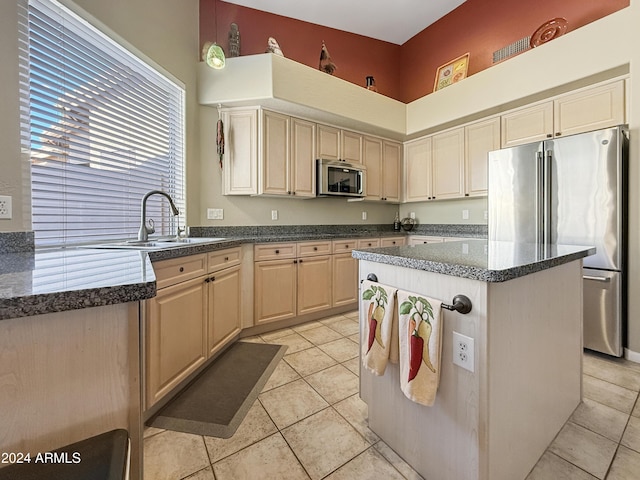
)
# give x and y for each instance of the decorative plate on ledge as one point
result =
(548, 31)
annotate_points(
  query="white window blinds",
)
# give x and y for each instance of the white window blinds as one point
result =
(104, 128)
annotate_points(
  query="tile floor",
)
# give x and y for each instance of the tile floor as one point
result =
(309, 422)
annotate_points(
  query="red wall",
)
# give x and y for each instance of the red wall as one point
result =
(405, 72)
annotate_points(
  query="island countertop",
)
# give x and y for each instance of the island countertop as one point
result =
(478, 259)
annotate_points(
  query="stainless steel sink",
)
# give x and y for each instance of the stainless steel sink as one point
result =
(157, 244)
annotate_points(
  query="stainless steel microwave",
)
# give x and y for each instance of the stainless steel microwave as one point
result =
(340, 178)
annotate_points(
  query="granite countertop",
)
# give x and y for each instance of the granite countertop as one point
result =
(477, 259)
(55, 280)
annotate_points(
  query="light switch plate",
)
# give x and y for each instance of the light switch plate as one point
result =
(465, 214)
(5, 207)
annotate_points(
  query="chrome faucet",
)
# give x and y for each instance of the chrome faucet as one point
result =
(143, 233)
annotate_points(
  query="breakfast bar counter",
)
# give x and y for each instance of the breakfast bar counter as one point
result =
(494, 420)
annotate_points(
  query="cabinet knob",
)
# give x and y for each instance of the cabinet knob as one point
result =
(293, 193)
(549, 135)
(277, 251)
(466, 194)
(315, 249)
(369, 244)
(181, 269)
(226, 259)
(213, 279)
(393, 243)
(346, 246)
(300, 261)
(295, 261)
(207, 280)
(558, 134)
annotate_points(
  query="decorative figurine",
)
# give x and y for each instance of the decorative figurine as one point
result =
(326, 65)
(234, 41)
(371, 84)
(273, 47)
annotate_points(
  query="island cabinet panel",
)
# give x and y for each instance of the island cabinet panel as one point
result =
(520, 347)
(223, 308)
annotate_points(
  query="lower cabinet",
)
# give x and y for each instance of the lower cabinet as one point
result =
(314, 284)
(275, 290)
(195, 313)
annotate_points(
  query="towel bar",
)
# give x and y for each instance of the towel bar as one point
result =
(460, 303)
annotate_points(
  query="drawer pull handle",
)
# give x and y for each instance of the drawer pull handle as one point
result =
(346, 246)
(181, 269)
(277, 251)
(315, 249)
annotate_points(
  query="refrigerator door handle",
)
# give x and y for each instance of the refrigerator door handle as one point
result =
(546, 199)
(596, 279)
(539, 199)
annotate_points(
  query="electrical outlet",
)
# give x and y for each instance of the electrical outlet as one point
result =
(465, 214)
(274, 214)
(486, 215)
(463, 351)
(364, 215)
(5, 207)
(412, 215)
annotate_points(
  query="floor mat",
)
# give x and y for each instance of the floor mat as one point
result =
(216, 402)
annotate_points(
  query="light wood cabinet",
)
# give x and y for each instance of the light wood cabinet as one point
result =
(367, 242)
(480, 139)
(345, 279)
(393, 241)
(351, 146)
(417, 170)
(314, 283)
(240, 160)
(448, 164)
(195, 313)
(328, 142)
(175, 336)
(391, 158)
(275, 290)
(588, 109)
(420, 239)
(372, 160)
(288, 161)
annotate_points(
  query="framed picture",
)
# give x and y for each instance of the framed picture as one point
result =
(451, 72)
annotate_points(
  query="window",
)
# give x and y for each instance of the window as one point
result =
(102, 128)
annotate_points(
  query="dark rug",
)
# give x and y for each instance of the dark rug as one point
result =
(216, 402)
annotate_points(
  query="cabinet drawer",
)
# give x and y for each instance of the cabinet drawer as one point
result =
(223, 259)
(306, 249)
(393, 241)
(420, 239)
(273, 251)
(176, 270)
(368, 243)
(343, 246)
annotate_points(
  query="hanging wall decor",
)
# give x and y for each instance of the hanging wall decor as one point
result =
(451, 72)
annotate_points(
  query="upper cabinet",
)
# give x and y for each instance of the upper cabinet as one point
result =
(587, 109)
(417, 170)
(303, 157)
(351, 144)
(480, 139)
(240, 161)
(448, 164)
(382, 161)
(338, 144)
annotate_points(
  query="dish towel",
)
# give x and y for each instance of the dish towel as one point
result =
(377, 312)
(420, 336)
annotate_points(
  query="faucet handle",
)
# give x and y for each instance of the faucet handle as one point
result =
(151, 228)
(182, 232)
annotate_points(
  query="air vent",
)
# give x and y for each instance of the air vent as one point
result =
(511, 50)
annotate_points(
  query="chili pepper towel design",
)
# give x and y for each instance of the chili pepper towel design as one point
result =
(420, 335)
(377, 319)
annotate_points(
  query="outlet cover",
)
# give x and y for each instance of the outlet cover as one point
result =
(412, 215)
(274, 214)
(463, 351)
(5, 207)
(215, 214)
(465, 214)
(364, 215)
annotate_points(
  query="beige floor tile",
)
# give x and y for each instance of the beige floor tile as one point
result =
(294, 342)
(584, 448)
(552, 467)
(309, 361)
(601, 419)
(270, 336)
(324, 442)
(369, 464)
(614, 396)
(281, 375)
(611, 371)
(320, 335)
(171, 455)
(268, 459)
(353, 365)
(355, 338)
(334, 383)
(636, 410)
(353, 314)
(399, 464)
(206, 474)
(255, 426)
(306, 326)
(253, 339)
(626, 465)
(333, 319)
(356, 412)
(291, 402)
(631, 437)
(341, 350)
(345, 327)
(151, 431)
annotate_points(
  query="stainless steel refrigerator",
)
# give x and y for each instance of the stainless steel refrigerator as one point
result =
(571, 190)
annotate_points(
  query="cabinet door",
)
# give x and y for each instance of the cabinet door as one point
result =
(240, 172)
(393, 241)
(303, 158)
(480, 139)
(175, 336)
(314, 284)
(275, 172)
(528, 124)
(345, 279)
(391, 171)
(224, 318)
(274, 290)
(328, 142)
(351, 146)
(417, 170)
(372, 160)
(448, 164)
(590, 109)
(420, 239)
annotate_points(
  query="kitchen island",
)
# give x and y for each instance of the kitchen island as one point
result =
(492, 423)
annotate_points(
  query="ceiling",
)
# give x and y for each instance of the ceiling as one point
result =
(394, 22)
